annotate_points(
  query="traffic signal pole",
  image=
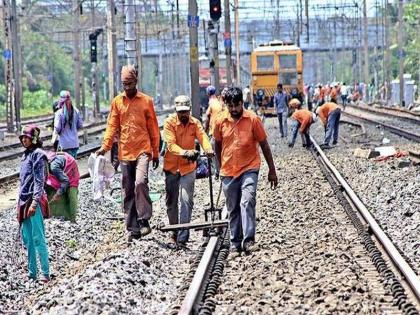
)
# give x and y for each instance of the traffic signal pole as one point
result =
(228, 44)
(214, 54)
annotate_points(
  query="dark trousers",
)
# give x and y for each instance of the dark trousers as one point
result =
(136, 200)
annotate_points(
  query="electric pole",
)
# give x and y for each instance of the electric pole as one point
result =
(112, 50)
(365, 45)
(228, 44)
(130, 36)
(194, 73)
(213, 54)
(76, 51)
(16, 65)
(387, 57)
(401, 50)
(8, 70)
(238, 69)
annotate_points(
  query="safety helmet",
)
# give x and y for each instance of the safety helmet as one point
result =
(182, 103)
(210, 90)
(294, 103)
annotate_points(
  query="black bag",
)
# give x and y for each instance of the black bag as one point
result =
(202, 169)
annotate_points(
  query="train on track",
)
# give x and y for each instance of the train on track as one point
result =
(272, 63)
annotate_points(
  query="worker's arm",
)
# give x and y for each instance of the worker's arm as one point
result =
(111, 129)
(272, 176)
(153, 128)
(169, 135)
(57, 169)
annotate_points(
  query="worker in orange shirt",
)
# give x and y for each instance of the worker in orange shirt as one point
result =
(179, 164)
(238, 133)
(302, 119)
(329, 114)
(132, 114)
(215, 107)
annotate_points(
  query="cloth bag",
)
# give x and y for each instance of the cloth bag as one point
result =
(102, 172)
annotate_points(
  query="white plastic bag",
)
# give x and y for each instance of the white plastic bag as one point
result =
(102, 172)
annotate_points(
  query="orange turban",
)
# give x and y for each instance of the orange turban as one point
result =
(128, 74)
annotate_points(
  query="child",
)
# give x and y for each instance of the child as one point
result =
(32, 202)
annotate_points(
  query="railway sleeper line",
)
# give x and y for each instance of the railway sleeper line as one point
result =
(392, 283)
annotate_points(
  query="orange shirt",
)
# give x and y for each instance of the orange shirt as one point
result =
(240, 140)
(304, 117)
(136, 121)
(215, 107)
(325, 110)
(180, 138)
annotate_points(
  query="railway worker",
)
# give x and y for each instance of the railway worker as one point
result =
(215, 107)
(281, 100)
(238, 132)
(179, 164)
(344, 92)
(329, 114)
(132, 114)
(302, 119)
(62, 185)
(247, 96)
(67, 122)
(32, 203)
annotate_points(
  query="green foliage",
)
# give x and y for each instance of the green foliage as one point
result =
(37, 103)
(412, 47)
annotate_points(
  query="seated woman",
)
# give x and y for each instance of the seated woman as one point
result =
(62, 185)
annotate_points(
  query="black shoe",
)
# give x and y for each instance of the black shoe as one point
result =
(325, 146)
(334, 143)
(234, 252)
(145, 227)
(132, 237)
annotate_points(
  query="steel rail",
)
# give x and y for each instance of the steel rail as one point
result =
(393, 129)
(199, 277)
(410, 116)
(403, 267)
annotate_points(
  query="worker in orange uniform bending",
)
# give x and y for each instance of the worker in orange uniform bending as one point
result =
(179, 164)
(329, 114)
(132, 114)
(215, 107)
(238, 133)
(302, 119)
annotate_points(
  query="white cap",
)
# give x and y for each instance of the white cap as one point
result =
(182, 103)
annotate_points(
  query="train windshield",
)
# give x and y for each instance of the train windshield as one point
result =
(265, 62)
(287, 61)
(288, 78)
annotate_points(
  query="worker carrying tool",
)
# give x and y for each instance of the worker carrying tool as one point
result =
(238, 132)
(179, 164)
(329, 114)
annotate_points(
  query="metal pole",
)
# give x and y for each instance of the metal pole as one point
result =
(238, 69)
(8, 74)
(194, 74)
(228, 48)
(15, 61)
(387, 53)
(76, 51)
(130, 36)
(112, 50)
(213, 54)
(401, 50)
(365, 46)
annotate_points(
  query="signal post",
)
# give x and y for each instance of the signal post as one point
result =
(213, 29)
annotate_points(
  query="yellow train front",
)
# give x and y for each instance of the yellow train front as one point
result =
(273, 63)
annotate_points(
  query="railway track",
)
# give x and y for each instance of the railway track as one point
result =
(391, 112)
(396, 130)
(400, 279)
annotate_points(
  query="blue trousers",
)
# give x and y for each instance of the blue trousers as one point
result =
(282, 117)
(306, 140)
(240, 194)
(176, 185)
(33, 235)
(333, 123)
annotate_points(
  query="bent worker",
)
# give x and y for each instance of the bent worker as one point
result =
(302, 119)
(32, 203)
(179, 164)
(62, 185)
(329, 114)
(133, 115)
(237, 133)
